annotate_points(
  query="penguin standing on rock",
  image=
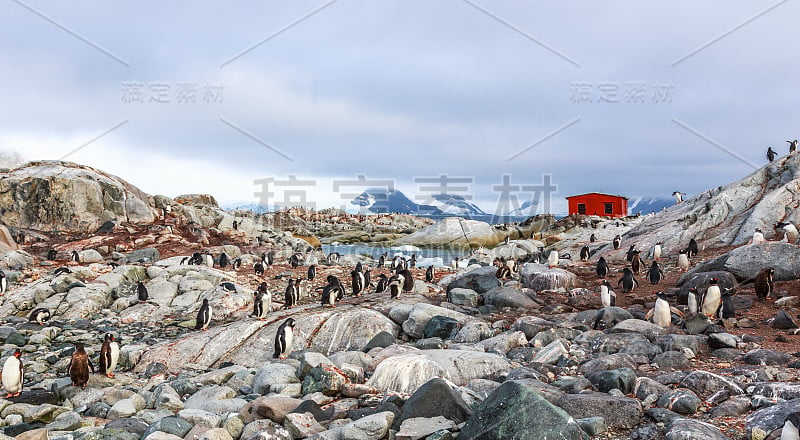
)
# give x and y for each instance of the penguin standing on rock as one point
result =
(332, 292)
(607, 296)
(109, 355)
(383, 283)
(203, 316)
(358, 282)
(585, 253)
(758, 236)
(263, 297)
(552, 259)
(789, 231)
(592, 238)
(636, 262)
(627, 281)
(39, 315)
(790, 429)
(678, 197)
(79, 366)
(691, 301)
(3, 283)
(396, 285)
(141, 291)
(726, 309)
(503, 273)
(270, 258)
(657, 251)
(408, 280)
(290, 295)
(283, 339)
(312, 272)
(771, 154)
(52, 255)
(711, 299)
(223, 260)
(75, 257)
(792, 145)
(429, 274)
(601, 268)
(258, 306)
(683, 261)
(661, 313)
(629, 254)
(692, 250)
(13, 375)
(236, 264)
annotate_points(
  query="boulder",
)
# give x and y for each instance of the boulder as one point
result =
(454, 232)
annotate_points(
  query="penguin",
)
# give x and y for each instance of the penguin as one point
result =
(584, 253)
(792, 145)
(711, 299)
(3, 283)
(283, 339)
(290, 295)
(429, 272)
(503, 273)
(601, 268)
(771, 154)
(790, 429)
(408, 280)
(726, 309)
(235, 225)
(683, 261)
(359, 267)
(109, 355)
(655, 274)
(203, 316)
(197, 259)
(185, 260)
(616, 242)
(592, 238)
(113, 265)
(62, 270)
(636, 262)
(312, 272)
(552, 259)
(358, 282)
(258, 268)
(236, 264)
(395, 286)
(454, 263)
(629, 253)
(758, 236)
(367, 280)
(79, 366)
(678, 197)
(607, 296)
(333, 257)
(141, 291)
(270, 258)
(258, 306)
(765, 283)
(330, 294)
(627, 281)
(383, 282)
(223, 260)
(13, 375)
(789, 231)
(413, 262)
(298, 287)
(208, 259)
(692, 250)
(295, 260)
(661, 313)
(507, 239)
(691, 301)
(39, 315)
(75, 257)
(228, 287)
(52, 255)
(657, 251)
(382, 260)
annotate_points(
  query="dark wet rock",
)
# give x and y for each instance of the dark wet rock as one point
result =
(618, 412)
(783, 321)
(621, 379)
(734, 407)
(441, 327)
(382, 339)
(722, 340)
(661, 415)
(169, 425)
(609, 362)
(766, 357)
(435, 398)
(645, 386)
(681, 401)
(672, 359)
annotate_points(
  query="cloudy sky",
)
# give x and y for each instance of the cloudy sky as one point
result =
(635, 98)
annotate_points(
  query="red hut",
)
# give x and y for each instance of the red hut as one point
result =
(606, 205)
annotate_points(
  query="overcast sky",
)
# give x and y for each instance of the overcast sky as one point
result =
(187, 97)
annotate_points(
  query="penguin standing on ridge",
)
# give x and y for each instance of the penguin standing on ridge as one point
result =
(601, 268)
(290, 295)
(429, 274)
(383, 283)
(236, 264)
(382, 260)
(79, 366)
(771, 154)
(585, 253)
(396, 285)
(223, 260)
(258, 306)
(39, 315)
(13, 375)
(408, 280)
(636, 262)
(258, 268)
(503, 273)
(629, 253)
(203, 316)
(358, 282)
(52, 255)
(270, 258)
(312, 272)
(367, 280)
(283, 339)
(661, 313)
(141, 291)
(792, 145)
(3, 283)
(764, 283)
(657, 251)
(332, 292)
(678, 197)
(627, 281)
(683, 261)
(592, 238)
(691, 301)
(789, 230)
(552, 259)
(711, 299)
(75, 257)
(208, 259)
(726, 309)
(790, 429)
(109, 355)
(616, 242)
(692, 250)
(655, 274)
(607, 296)
(758, 236)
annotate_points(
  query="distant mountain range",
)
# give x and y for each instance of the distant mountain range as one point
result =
(381, 200)
(646, 205)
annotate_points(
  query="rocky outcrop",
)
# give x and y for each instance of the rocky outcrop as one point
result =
(454, 232)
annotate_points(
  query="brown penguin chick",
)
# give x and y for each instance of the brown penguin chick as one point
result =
(764, 282)
(79, 366)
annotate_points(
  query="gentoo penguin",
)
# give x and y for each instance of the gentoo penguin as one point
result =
(52, 254)
(627, 281)
(75, 257)
(258, 305)
(616, 242)
(429, 274)
(358, 282)
(503, 273)
(141, 291)
(40, 315)
(726, 310)
(691, 301)
(789, 231)
(13, 376)
(208, 259)
(312, 272)
(692, 250)
(235, 225)
(395, 285)
(711, 299)
(764, 282)
(507, 239)
(283, 339)
(607, 296)
(79, 366)
(223, 260)
(454, 263)
(629, 253)
(758, 236)
(359, 267)
(383, 282)
(382, 260)
(62, 270)
(290, 295)
(683, 261)
(333, 257)
(657, 251)
(258, 268)
(771, 154)
(592, 238)
(602, 268)
(792, 146)
(203, 316)
(331, 293)
(266, 296)
(655, 274)
(197, 259)
(661, 313)
(109, 355)
(3, 283)
(636, 262)
(552, 259)
(408, 280)
(584, 253)
(678, 197)
(295, 260)
(367, 280)
(270, 258)
(228, 286)
(791, 428)
(236, 264)
(413, 262)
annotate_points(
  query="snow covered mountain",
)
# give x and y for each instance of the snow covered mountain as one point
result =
(646, 205)
(378, 200)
